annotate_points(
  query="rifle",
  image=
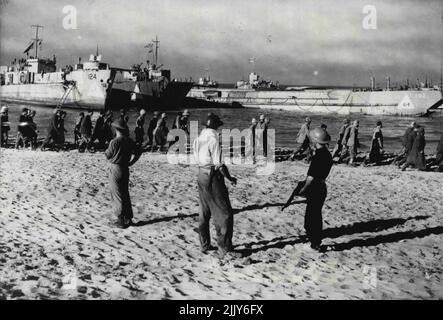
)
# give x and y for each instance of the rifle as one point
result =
(296, 191)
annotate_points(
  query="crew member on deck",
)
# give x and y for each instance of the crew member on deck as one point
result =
(121, 153)
(213, 194)
(315, 186)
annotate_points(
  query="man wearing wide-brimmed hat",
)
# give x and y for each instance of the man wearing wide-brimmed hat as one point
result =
(315, 186)
(121, 153)
(213, 194)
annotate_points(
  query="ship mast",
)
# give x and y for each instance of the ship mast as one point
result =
(36, 39)
(441, 56)
(156, 42)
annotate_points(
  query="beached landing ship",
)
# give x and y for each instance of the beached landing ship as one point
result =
(406, 102)
(91, 84)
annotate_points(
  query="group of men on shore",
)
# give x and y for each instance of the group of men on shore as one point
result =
(347, 145)
(122, 152)
(88, 136)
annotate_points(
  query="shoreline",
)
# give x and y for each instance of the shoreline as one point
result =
(383, 226)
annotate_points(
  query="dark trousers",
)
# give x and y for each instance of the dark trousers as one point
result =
(315, 198)
(337, 150)
(304, 146)
(119, 185)
(52, 136)
(214, 201)
(139, 134)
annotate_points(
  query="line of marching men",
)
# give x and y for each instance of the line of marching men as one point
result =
(88, 136)
(347, 145)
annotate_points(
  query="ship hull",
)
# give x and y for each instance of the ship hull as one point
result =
(402, 103)
(51, 95)
(148, 94)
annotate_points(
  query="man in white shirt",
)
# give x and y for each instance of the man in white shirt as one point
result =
(213, 194)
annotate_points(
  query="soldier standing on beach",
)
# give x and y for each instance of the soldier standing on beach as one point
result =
(86, 132)
(406, 141)
(416, 155)
(151, 127)
(439, 155)
(4, 123)
(303, 139)
(350, 142)
(121, 154)
(213, 194)
(251, 141)
(78, 123)
(261, 134)
(338, 148)
(21, 130)
(375, 153)
(139, 128)
(315, 186)
(99, 128)
(53, 130)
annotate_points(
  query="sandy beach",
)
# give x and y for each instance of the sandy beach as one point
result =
(383, 233)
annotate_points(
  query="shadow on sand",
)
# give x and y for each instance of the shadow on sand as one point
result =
(236, 211)
(359, 227)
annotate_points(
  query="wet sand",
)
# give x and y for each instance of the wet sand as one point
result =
(383, 229)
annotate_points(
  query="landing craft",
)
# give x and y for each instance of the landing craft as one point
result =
(257, 93)
(92, 84)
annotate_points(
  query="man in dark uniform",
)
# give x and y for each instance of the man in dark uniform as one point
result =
(139, 128)
(99, 128)
(151, 128)
(406, 141)
(5, 127)
(213, 194)
(21, 129)
(53, 130)
(439, 155)
(315, 187)
(78, 123)
(86, 132)
(261, 134)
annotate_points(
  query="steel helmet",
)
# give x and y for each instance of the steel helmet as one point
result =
(320, 136)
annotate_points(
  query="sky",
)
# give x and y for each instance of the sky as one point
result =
(294, 42)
